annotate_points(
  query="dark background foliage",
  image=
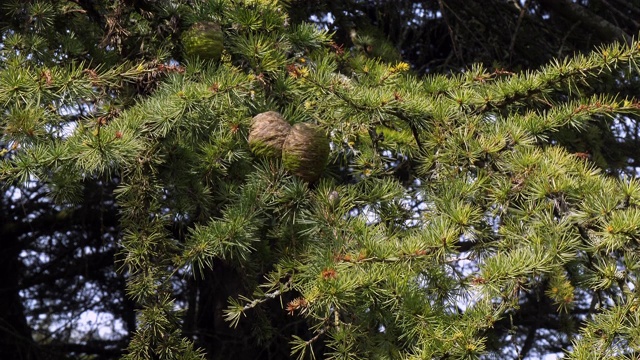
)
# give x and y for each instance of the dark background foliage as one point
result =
(58, 263)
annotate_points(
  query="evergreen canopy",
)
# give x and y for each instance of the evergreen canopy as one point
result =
(443, 209)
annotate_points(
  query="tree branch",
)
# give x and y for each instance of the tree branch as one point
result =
(577, 13)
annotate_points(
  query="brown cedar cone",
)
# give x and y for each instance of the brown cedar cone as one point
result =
(267, 134)
(305, 151)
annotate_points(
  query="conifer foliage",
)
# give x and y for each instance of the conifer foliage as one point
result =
(442, 209)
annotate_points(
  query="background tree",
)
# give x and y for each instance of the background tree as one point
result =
(447, 223)
(58, 266)
(449, 35)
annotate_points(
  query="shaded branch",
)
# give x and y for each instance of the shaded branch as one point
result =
(577, 13)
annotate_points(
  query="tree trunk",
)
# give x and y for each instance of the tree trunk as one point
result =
(16, 341)
(214, 333)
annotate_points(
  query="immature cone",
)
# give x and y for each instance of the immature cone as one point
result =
(204, 40)
(334, 199)
(305, 151)
(267, 134)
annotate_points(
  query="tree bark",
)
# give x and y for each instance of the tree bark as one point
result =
(214, 333)
(576, 13)
(16, 341)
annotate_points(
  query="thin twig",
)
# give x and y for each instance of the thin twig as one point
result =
(268, 296)
(451, 33)
(523, 11)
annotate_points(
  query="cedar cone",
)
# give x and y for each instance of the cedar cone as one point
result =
(305, 151)
(267, 134)
(204, 40)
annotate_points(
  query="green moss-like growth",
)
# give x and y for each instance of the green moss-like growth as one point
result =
(203, 40)
(305, 151)
(267, 134)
